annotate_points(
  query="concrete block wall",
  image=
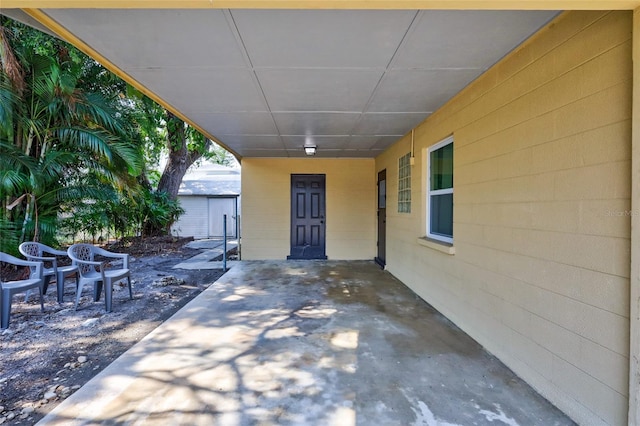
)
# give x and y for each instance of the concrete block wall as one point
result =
(542, 180)
(350, 204)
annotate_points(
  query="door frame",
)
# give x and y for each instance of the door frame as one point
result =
(381, 200)
(321, 219)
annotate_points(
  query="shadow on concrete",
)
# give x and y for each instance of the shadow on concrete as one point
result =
(313, 343)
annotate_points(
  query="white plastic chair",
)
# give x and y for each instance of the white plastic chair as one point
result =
(36, 252)
(9, 288)
(97, 273)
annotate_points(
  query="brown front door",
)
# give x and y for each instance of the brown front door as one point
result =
(308, 224)
(382, 218)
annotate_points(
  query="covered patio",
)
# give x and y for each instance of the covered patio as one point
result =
(313, 342)
(528, 108)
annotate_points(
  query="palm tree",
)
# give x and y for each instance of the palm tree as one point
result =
(52, 135)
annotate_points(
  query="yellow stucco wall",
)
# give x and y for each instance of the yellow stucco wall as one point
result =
(540, 274)
(350, 206)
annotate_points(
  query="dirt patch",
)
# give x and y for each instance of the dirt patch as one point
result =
(138, 246)
(46, 356)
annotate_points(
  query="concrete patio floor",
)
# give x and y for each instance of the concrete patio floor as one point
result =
(307, 343)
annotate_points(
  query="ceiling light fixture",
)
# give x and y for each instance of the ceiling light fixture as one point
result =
(310, 150)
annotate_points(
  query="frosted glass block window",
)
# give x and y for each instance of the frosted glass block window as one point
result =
(404, 184)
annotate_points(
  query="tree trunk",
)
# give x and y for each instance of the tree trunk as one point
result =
(180, 159)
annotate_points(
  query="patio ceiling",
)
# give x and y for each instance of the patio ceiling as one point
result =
(266, 82)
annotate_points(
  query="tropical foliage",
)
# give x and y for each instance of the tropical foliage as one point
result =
(53, 134)
(123, 216)
(78, 147)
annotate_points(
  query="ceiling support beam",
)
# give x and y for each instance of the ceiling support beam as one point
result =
(329, 4)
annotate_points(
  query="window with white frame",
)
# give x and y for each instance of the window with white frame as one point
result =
(404, 184)
(440, 191)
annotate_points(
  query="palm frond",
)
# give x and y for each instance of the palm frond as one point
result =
(47, 229)
(95, 141)
(56, 162)
(10, 156)
(12, 182)
(9, 239)
(130, 155)
(97, 108)
(78, 193)
(8, 104)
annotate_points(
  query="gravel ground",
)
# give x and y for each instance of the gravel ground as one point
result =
(47, 356)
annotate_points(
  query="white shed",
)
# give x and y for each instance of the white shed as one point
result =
(206, 194)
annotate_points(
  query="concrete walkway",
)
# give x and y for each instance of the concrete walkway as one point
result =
(306, 343)
(213, 249)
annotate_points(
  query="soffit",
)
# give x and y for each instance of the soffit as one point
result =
(266, 82)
